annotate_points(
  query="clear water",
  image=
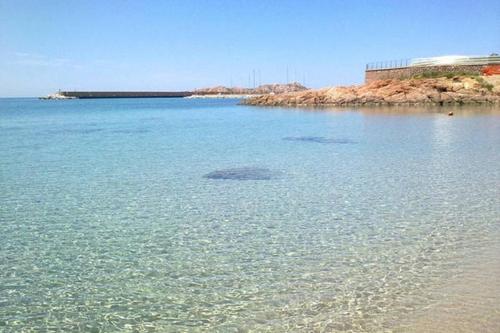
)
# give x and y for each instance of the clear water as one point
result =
(107, 222)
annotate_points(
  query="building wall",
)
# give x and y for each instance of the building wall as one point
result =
(406, 72)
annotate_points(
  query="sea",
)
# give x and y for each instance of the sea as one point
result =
(187, 215)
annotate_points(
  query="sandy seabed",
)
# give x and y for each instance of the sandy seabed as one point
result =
(467, 303)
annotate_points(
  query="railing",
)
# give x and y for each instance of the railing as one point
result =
(401, 63)
(434, 61)
(456, 61)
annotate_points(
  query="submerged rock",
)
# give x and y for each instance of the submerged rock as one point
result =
(318, 139)
(131, 131)
(245, 173)
(74, 131)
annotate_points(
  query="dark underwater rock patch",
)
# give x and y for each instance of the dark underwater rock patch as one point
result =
(11, 128)
(245, 173)
(75, 131)
(36, 146)
(318, 139)
(86, 130)
(130, 131)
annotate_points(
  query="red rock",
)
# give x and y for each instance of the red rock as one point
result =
(457, 90)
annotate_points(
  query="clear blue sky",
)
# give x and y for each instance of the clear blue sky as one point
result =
(176, 45)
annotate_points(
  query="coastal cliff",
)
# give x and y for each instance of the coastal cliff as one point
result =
(416, 91)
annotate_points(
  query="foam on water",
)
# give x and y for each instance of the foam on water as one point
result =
(107, 223)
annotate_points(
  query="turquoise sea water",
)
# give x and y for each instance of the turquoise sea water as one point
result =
(107, 222)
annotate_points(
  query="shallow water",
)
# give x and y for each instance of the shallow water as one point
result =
(107, 222)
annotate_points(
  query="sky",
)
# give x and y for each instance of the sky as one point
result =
(181, 45)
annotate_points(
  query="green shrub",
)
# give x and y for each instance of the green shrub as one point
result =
(482, 82)
(448, 75)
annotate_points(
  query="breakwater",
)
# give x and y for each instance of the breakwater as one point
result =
(124, 94)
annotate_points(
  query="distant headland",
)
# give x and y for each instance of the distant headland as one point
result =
(264, 89)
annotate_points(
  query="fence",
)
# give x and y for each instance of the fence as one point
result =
(435, 61)
(401, 63)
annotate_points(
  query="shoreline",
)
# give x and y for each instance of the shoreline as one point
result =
(440, 91)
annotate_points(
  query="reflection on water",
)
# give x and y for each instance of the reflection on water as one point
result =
(118, 230)
(461, 111)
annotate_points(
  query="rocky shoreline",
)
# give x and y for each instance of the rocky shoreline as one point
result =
(456, 90)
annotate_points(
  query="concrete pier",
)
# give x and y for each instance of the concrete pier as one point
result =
(124, 94)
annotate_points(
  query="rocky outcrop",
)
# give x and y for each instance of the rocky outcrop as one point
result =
(263, 89)
(438, 91)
